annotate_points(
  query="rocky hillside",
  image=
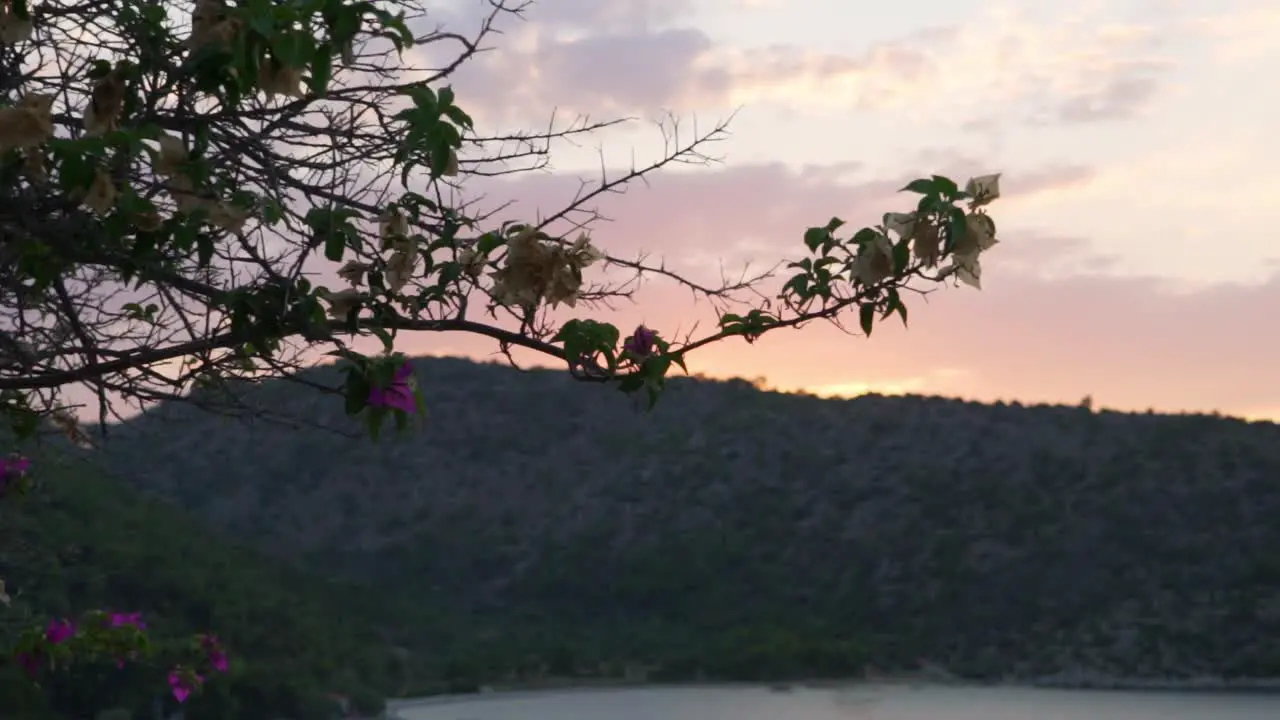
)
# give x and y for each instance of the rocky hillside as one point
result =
(783, 533)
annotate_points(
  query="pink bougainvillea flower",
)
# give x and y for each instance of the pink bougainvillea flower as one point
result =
(59, 631)
(397, 396)
(126, 657)
(14, 465)
(641, 342)
(12, 469)
(218, 660)
(29, 662)
(213, 648)
(183, 683)
(132, 619)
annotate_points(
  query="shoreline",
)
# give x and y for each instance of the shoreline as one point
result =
(1080, 681)
(1197, 684)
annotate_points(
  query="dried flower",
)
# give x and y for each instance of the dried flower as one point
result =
(392, 225)
(984, 189)
(472, 262)
(535, 270)
(926, 240)
(27, 124)
(210, 24)
(227, 216)
(342, 302)
(276, 79)
(148, 220)
(584, 252)
(105, 103)
(901, 224)
(400, 269)
(101, 196)
(875, 261)
(354, 272)
(168, 162)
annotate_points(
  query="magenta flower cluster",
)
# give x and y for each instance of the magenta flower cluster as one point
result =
(183, 681)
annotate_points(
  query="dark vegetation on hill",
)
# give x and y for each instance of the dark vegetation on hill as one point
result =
(549, 526)
(80, 542)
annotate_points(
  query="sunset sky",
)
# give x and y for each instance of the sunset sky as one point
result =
(1138, 261)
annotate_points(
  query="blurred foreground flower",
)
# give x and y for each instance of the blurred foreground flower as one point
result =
(399, 394)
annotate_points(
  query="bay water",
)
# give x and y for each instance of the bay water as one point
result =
(852, 702)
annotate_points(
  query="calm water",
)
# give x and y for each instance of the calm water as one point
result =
(861, 703)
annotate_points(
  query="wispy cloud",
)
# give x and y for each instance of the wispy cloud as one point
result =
(635, 57)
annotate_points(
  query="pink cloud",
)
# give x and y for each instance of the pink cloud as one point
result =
(1042, 330)
(1030, 335)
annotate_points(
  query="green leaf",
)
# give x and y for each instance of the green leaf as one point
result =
(865, 235)
(290, 49)
(335, 244)
(945, 186)
(75, 172)
(799, 285)
(867, 316)
(271, 212)
(655, 368)
(814, 237)
(901, 256)
(204, 249)
(404, 173)
(321, 69)
(99, 69)
(489, 242)
(921, 187)
(24, 421)
(388, 342)
(357, 392)
(459, 118)
(957, 227)
(440, 151)
(373, 419)
(630, 383)
(425, 99)
(261, 19)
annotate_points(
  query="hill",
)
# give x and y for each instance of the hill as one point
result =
(745, 533)
(81, 542)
